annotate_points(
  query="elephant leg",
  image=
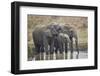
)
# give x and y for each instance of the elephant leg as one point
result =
(71, 48)
(61, 51)
(57, 55)
(42, 53)
(51, 50)
(37, 54)
(47, 56)
(76, 43)
(42, 56)
(66, 49)
(46, 53)
(51, 56)
(45, 49)
(55, 49)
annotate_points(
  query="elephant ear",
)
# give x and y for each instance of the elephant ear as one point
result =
(64, 36)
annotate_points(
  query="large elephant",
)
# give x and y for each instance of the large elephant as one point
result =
(72, 33)
(43, 38)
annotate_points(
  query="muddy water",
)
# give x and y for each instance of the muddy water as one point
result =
(58, 56)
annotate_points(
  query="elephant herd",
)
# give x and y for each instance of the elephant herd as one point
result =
(54, 39)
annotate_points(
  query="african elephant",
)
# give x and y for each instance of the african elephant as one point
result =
(61, 44)
(43, 38)
(72, 33)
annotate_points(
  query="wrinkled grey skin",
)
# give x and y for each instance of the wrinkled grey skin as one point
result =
(44, 37)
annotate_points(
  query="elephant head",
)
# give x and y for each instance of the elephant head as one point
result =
(54, 29)
(73, 37)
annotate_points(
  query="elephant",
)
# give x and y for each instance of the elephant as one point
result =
(61, 44)
(43, 38)
(72, 33)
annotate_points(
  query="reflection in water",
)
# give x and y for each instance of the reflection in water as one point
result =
(82, 55)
